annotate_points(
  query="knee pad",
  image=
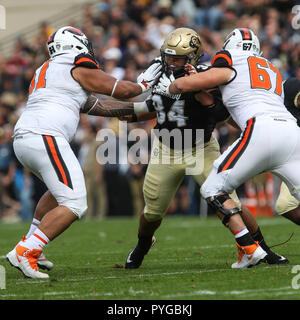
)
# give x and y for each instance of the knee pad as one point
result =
(216, 202)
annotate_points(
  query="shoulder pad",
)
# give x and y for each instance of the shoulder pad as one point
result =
(222, 59)
(87, 61)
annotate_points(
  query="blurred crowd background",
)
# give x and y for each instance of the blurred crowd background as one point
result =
(127, 35)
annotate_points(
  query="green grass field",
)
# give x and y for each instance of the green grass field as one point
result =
(190, 261)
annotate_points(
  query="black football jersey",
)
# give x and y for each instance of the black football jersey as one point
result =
(291, 93)
(185, 112)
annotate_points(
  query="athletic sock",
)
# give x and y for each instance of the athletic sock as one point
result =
(34, 224)
(243, 237)
(257, 236)
(144, 242)
(37, 240)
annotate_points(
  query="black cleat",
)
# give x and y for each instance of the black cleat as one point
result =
(274, 258)
(136, 256)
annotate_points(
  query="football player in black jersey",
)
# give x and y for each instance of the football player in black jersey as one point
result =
(188, 112)
(286, 204)
(240, 48)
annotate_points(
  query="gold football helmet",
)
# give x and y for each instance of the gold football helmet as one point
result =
(182, 42)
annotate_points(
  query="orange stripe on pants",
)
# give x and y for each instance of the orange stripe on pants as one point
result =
(235, 154)
(56, 159)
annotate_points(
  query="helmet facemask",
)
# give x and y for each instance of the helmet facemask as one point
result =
(178, 71)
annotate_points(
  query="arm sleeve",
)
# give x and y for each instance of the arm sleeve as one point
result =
(87, 61)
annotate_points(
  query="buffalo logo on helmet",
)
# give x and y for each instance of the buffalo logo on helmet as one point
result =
(195, 42)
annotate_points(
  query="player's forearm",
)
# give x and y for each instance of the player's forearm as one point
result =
(185, 84)
(99, 82)
(115, 88)
(107, 107)
(201, 81)
(126, 90)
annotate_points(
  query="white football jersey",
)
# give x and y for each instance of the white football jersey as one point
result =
(55, 99)
(255, 88)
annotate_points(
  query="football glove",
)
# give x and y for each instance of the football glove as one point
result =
(163, 84)
(150, 76)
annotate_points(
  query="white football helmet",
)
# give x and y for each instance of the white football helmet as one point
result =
(68, 39)
(242, 39)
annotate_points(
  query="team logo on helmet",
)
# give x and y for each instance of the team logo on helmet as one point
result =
(195, 42)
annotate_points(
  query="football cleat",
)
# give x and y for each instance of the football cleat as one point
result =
(136, 256)
(26, 261)
(42, 262)
(249, 256)
(275, 258)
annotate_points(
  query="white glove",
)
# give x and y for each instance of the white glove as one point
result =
(163, 84)
(149, 77)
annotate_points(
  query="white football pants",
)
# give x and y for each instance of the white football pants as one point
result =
(52, 160)
(267, 144)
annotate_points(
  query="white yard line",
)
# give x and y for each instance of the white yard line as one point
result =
(53, 293)
(248, 292)
(275, 292)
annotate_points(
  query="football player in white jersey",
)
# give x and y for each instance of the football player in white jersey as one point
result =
(252, 91)
(58, 92)
(181, 46)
